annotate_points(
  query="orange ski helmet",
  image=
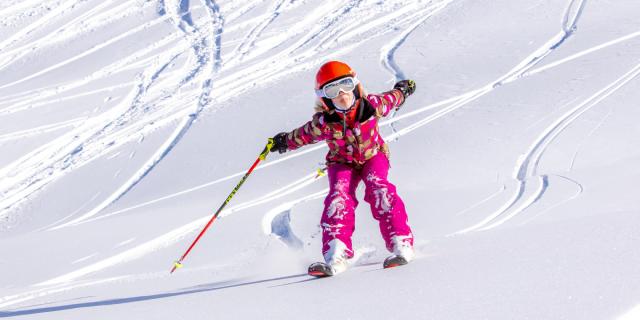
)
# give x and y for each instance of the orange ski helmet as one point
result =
(333, 70)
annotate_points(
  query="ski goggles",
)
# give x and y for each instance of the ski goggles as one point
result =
(332, 89)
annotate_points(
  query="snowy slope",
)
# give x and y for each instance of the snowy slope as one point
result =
(125, 123)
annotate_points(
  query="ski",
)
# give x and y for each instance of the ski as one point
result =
(394, 261)
(320, 270)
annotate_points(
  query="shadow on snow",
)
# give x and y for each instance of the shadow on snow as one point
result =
(110, 302)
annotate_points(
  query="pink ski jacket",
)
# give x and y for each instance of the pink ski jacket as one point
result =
(349, 143)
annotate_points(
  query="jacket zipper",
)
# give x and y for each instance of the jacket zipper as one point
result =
(344, 126)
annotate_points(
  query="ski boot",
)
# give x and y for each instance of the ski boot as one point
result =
(402, 254)
(334, 265)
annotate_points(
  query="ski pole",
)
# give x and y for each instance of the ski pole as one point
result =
(263, 156)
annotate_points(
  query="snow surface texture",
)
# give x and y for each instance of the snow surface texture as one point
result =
(124, 123)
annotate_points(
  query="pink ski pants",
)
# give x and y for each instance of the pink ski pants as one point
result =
(338, 217)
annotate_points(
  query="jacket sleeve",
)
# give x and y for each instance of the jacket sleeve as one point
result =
(385, 102)
(311, 132)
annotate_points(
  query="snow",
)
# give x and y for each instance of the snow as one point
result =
(125, 123)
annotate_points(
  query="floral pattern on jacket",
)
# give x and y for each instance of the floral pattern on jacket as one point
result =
(349, 143)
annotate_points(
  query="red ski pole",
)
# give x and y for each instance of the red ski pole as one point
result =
(263, 156)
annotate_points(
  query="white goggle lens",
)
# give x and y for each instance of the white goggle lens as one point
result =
(332, 89)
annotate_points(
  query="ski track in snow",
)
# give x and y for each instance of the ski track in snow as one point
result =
(588, 137)
(41, 129)
(277, 221)
(526, 169)
(387, 53)
(250, 39)
(207, 58)
(17, 36)
(96, 17)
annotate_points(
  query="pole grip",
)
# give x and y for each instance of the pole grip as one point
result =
(267, 149)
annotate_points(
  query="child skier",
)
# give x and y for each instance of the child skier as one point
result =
(347, 119)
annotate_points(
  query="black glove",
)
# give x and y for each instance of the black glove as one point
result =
(280, 142)
(406, 86)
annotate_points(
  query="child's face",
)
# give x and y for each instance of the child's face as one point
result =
(344, 100)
